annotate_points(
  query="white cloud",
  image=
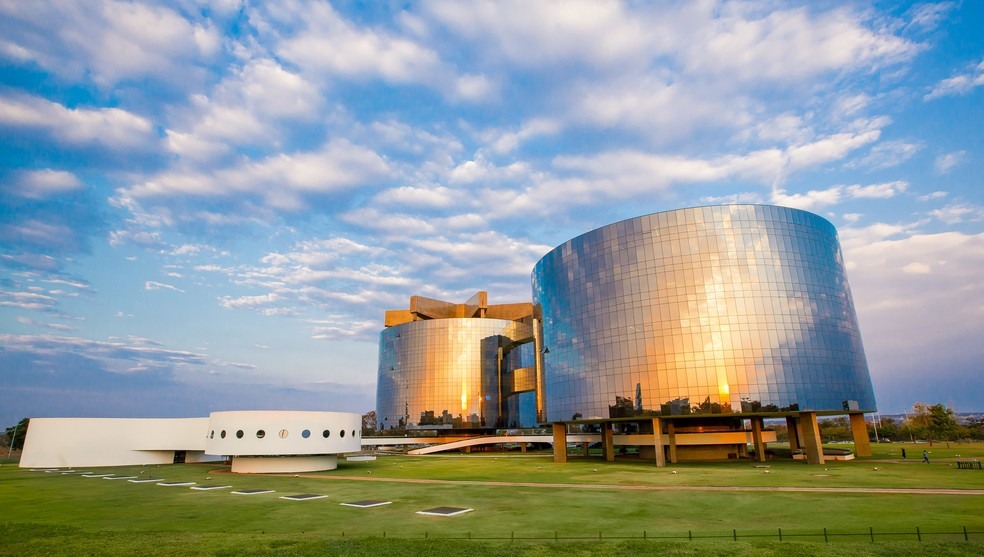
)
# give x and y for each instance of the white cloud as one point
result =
(928, 16)
(112, 127)
(810, 200)
(960, 84)
(877, 191)
(916, 268)
(947, 161)
(43, 184)
(281, 181)
(250, 106)
(502, 142)
(957, 213)
(436, 197)
(106, 41)
(887, 154)
(329, 45)
(539, 33)
(920, 300)
(153, 285)
(934, 195)
(791, 44)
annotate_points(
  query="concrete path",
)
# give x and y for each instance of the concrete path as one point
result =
(901, 491)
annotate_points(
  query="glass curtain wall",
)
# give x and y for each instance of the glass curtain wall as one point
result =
(706, 310)
(445, 374)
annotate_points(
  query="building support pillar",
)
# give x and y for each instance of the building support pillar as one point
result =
(587, 448)
(859, 429)
(792, 428)
(757, 439)
(560, 443)
(812, 443)
(671, 433)
(607, 442)
(658, 443)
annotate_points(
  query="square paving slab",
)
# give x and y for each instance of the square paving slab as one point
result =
(445, 511)
(252, 491)
(175, 484)
(210, 487)
(365, 504)
(303, 497)
(97, 475)
(119, 477)
(146, 480)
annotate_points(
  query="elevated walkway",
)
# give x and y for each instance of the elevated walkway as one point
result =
(439, 444)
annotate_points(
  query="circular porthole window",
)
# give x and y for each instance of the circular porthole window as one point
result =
(222, 434)
(342, 433)
(353, 433)
(326, 434)
(260, 434)
(284, 433)
(239, 434)
(211, 434)
(306, 433)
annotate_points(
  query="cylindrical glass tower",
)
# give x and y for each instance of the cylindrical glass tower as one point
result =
(722, 310)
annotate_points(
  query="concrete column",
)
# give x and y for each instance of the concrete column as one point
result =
(862, 445)
(522, 447)
(587, 448)
(811, 438)
(671, 433)
(658, 442)
(792, 426)
(608, 442)
(560, 443)
(757, 439)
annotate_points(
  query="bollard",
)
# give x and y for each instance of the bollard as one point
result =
(780, 534)
(690, 535)
(966, 539)
(871, 531)
(918, 534)
(734, 532)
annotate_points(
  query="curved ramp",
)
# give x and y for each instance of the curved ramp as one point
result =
(499, 439)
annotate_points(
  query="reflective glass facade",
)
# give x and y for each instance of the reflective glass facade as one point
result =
(709, 310)
(445, 373)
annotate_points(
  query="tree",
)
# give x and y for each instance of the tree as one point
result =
(918, 421)
(16, 434)
(942, 423)
(369, 423)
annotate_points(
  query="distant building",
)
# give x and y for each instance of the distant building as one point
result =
(670, 329)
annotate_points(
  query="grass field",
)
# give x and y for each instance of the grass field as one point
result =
(587, 499)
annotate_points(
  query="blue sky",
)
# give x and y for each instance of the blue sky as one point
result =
(209, 205)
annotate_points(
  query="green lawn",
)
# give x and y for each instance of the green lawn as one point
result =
(54, 514)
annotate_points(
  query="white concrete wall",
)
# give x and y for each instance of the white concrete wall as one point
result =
(75, 442)
(283, 433)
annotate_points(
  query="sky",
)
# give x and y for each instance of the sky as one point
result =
(209, 205)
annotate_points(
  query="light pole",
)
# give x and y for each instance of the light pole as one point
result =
(10, 441)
